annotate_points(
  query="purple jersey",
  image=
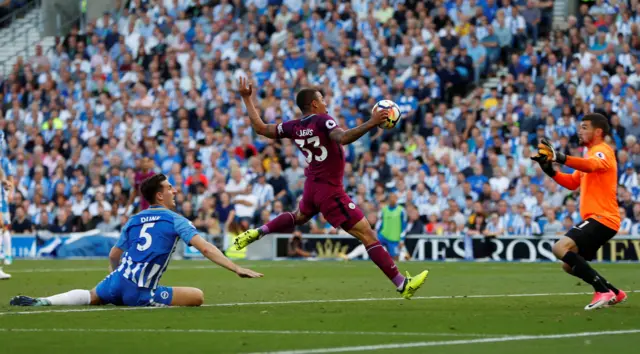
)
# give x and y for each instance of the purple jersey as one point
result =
(324, 156)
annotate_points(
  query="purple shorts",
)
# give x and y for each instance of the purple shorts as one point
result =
(332, 201)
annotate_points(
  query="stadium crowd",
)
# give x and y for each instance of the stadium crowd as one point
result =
(154, 86)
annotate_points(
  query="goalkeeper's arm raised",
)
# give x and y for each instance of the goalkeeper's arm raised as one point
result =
(596, 163)
(587, 165)
(568, 181)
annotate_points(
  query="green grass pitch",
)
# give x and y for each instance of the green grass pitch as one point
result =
(463, 308)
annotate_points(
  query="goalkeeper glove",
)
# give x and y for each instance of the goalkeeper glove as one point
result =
(546, 165)
(550, 153)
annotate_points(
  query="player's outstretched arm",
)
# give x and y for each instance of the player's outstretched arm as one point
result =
(260, 127)
(569, 181)
(587, 165)
(346, 137)
(214, 255)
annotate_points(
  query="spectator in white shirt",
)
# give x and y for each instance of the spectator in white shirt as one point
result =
(499, 182)
(530, 227)
(421, 199)
(600, 8)
(16, 113)
(79, 204)
(263, 192)
(629, 178)
(626, 224)
(624, 58)
(433, 208)
(94, 208)
(237, 185)
(495, 227)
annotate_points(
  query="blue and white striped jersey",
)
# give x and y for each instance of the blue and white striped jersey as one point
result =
(7, 168)
(148, 239)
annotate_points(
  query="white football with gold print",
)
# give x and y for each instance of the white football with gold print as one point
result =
(394, 113)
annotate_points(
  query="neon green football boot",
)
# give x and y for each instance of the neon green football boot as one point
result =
(412, 284)
(246, 238)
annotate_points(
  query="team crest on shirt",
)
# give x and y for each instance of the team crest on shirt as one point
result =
(164, 295)
(600, 155)
(352, 206)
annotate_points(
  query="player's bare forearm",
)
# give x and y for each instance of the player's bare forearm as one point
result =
(566, 180)
(260, 127)
(346, 137)
(585, 165)
(216, 256)
(114, 258)
(212, 253)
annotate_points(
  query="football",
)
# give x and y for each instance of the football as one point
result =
(394, 113)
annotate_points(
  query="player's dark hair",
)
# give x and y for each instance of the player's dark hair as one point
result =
(305, 97)
(598, 121)
(151, 186)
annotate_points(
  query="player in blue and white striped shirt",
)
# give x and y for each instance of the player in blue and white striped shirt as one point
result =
(141, 256)
(6, 194)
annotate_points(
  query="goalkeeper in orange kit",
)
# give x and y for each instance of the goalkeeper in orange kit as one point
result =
(596, 176)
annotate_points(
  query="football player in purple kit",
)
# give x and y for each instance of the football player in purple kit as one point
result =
(320, 139)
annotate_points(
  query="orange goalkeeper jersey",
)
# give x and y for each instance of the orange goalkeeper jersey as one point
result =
(597, 176)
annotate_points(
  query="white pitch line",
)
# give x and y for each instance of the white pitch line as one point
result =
(250, 331)
(491, 296)
(452, 342)
(290, 302)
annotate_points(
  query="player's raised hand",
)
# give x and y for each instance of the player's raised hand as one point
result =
(244, 87)
(549, 152)
(379, 116)
(248, 273)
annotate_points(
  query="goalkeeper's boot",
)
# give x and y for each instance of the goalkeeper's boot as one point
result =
(22, 300)
(247, 238)
(620, 298)
(412, 284)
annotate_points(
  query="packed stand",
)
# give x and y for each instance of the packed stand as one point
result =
(153, 88)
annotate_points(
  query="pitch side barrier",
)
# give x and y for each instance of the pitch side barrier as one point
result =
(94, 244)
(452, 248)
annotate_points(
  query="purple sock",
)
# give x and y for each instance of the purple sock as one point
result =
(383, 260)
(283, 223)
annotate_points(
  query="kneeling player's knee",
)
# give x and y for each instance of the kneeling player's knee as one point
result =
(198, 297)
(567, 268)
